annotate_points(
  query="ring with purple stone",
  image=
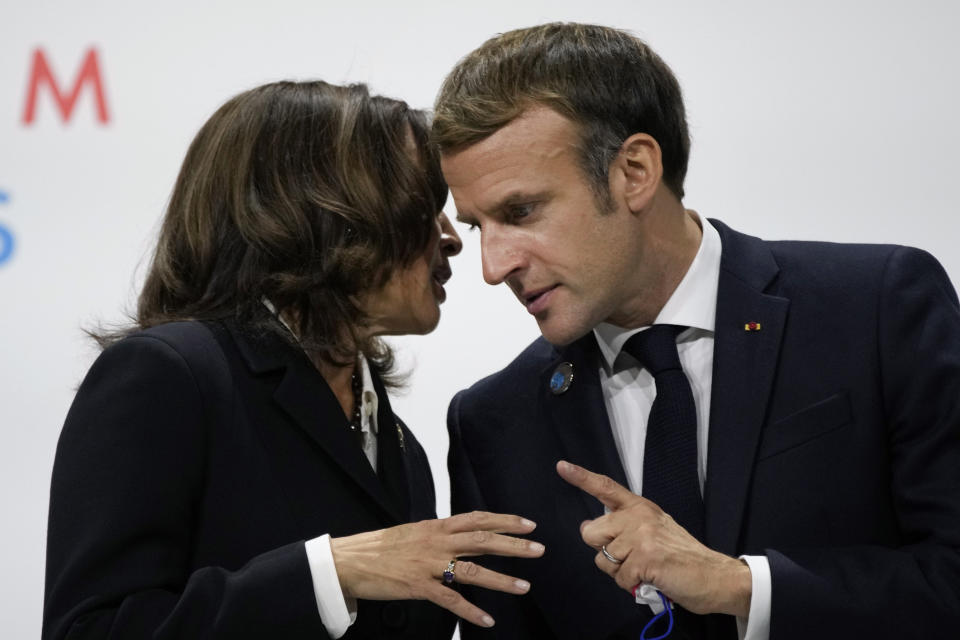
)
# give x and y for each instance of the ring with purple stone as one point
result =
(450, 573)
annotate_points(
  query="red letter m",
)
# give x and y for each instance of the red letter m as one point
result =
(89, 74)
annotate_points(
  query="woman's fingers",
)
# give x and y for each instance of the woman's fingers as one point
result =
(482, 542)
(480, 532)
(486, 521)
(456, 603)
(467, 572)
(409, 560)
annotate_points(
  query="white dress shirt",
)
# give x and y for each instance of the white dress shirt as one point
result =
(629, 391)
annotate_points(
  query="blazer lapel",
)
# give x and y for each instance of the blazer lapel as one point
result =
(744, 365)
(304, 395)
(391, 460)
(578, 416)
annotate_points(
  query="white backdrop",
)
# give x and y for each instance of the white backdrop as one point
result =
(827, 119)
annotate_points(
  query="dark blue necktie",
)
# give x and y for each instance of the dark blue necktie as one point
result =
(670, 454)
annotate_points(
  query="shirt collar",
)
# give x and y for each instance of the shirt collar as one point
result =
(369, 403)
(692, 304)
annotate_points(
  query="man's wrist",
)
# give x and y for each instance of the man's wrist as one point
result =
(737, 589)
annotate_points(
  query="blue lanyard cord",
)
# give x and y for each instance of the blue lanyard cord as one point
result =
(666, 611)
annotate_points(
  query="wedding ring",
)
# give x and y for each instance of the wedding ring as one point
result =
(450, 572)
(606, 554)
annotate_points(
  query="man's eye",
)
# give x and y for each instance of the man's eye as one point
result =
(520, 211)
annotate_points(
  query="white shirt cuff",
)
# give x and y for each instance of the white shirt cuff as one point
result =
(336, 612)
(757, 625)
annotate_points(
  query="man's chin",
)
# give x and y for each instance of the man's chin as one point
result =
(560, 334)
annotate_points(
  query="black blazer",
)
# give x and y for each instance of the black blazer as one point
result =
(194, 463)
(834, 450)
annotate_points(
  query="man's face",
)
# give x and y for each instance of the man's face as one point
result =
(541, 229)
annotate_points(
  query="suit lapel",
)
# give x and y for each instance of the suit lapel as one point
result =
(578, 417)
(744, 366)
(305, 397)
(578, 420)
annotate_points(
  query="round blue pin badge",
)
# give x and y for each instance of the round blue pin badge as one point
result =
(561, 379)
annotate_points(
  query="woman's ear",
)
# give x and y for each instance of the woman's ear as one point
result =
(637, 171)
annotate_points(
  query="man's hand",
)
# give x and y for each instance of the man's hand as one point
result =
(654, 549)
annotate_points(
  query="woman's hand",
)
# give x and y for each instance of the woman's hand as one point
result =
(407, 561)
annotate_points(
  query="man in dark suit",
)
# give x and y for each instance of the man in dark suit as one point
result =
(790, 411)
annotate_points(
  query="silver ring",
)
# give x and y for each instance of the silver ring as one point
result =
(450, 573)
(606, 554)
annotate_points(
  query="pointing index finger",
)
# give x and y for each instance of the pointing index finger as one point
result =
(601, 487)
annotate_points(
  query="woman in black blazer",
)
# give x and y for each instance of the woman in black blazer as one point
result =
(230, 466)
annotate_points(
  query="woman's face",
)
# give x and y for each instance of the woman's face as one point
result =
(410, 300)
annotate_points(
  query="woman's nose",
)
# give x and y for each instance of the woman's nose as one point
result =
(450, 243)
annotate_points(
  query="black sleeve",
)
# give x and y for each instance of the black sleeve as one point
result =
(912, 591)
(127, 478)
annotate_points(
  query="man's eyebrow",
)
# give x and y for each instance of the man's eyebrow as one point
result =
(511, 199)
(465, 218)
(515, 198)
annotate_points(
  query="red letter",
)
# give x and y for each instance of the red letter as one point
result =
(89, 73)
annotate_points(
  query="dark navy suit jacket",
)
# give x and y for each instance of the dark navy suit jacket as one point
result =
(834, 450)
(193, 464)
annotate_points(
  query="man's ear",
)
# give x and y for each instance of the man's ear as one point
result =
(637, 170)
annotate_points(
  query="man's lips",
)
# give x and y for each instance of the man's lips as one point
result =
(536, 300)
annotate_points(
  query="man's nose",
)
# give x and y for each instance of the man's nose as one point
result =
(498, 255)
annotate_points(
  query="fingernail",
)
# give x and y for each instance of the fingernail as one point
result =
(565, 466)
(487, 621)
(523, 585)
(528, 523)
(536, 546)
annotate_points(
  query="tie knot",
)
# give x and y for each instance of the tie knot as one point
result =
(656, 348)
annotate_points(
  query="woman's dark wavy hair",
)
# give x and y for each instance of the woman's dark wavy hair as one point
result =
(306, 194)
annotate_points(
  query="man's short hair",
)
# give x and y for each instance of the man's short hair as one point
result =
(607, 81)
